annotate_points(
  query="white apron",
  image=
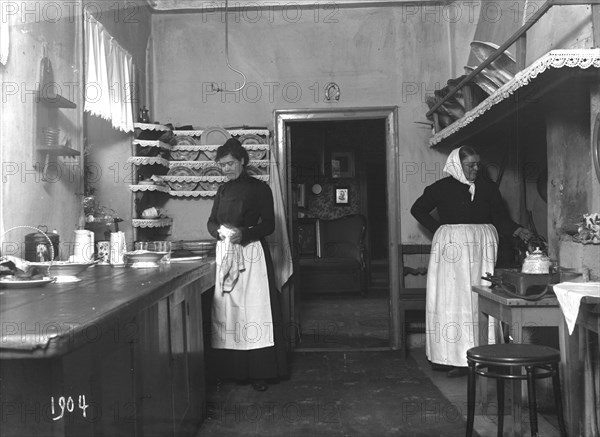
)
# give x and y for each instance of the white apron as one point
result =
(241, 317)
(460, 255)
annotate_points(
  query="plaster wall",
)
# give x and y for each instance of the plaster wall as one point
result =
(26, 198)
(378, 57)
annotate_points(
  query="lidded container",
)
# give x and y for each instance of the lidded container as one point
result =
(536, 263)
(37, 246)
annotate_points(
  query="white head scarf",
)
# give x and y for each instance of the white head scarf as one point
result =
(454, 168)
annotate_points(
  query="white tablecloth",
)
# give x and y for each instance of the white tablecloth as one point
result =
(569, 296)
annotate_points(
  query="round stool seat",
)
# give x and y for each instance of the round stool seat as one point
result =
(505, 362)
(513, 354)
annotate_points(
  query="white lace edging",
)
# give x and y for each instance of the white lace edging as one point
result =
(574, 58)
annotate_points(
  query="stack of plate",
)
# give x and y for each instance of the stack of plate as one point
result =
(50, 136)
(188, 248)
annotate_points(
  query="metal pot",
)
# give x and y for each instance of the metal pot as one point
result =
(38, 248)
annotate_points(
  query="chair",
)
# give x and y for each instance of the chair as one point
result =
(505, 362)
(410, 298)
(337, 262)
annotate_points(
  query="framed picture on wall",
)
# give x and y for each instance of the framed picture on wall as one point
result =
(342, 196)
(342, 164)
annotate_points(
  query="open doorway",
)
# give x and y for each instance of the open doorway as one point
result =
(364, 141)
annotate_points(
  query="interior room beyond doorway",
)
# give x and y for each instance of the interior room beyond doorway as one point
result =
(326, 157)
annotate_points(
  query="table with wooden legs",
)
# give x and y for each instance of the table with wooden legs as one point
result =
(518, 314)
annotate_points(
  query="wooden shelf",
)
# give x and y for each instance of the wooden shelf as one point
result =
(518, 100)
(57, 101)
(59, 151)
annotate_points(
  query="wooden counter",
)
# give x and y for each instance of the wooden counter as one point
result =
(119, 353)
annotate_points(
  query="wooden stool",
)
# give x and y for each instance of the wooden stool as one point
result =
(490, 360)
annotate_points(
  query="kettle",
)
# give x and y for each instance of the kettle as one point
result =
(537, 263)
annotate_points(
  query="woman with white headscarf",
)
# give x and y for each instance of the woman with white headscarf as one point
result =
(464, 247)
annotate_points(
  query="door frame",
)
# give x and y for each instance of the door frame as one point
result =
(282, 148)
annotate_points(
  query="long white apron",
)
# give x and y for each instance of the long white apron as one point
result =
(460, 255)
(241, 318)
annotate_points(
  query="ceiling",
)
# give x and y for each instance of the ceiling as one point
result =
(210, 6)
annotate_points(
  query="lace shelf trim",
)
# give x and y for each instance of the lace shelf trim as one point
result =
(574, 58)
(151, 126)
(180, 179)
(213, 147)
(193, 193)
(152, 223)
(204, 164)
(144, 188)
(152, 143)
(233, 132)
(147, 160)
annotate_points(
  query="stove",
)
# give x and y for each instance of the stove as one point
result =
(527, 283)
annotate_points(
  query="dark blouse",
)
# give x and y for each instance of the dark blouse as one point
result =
(247, 204)
(453, 202)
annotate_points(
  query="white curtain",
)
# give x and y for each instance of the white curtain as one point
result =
(108, 77)
(4, 33)
(278, 241)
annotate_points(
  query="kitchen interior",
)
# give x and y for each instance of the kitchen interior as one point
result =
(342, 105)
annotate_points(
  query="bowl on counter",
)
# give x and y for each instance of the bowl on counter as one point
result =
(144, 258)
(64, 271)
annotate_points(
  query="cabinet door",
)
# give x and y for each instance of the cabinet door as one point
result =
(187, 358)
(180, 379)
(153, 371)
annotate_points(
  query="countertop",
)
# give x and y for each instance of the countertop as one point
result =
(57, 318)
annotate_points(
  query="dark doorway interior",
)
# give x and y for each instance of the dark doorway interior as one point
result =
(314, 145)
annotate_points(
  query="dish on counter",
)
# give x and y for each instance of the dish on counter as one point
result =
(188, 258)
(181, 170)
(199, 247)
(144, 258)
(210, 171)
(11, 282)
(63, 268)
(214, 135)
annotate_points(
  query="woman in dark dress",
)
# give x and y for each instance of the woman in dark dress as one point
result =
(247, 330)
(464, 247)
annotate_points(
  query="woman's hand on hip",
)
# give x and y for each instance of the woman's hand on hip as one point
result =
(524, 234)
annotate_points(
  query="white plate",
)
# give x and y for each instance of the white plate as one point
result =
(7, 283)
(188, 258)
(214, 136)
(67, 279)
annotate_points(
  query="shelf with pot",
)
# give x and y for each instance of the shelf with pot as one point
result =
(152, 143)
(232, 132)
(151, 126)
(161, 222)
(148, 160)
